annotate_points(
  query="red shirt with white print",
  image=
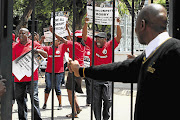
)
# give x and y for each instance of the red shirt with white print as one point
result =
(102, 55)
(58, 58)
(79, 52)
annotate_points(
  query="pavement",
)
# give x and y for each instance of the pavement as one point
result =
(121, 103)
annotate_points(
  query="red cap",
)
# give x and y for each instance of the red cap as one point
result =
(78, 33)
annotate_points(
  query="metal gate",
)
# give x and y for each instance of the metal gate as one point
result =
(6, 28)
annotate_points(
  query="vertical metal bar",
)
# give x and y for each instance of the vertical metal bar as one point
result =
(113, 23)
(92, 82)
(132, 52)
(6, 23)
(74, 27)
(53, 67)
(32, 60)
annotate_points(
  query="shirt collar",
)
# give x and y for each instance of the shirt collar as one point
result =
(28, 42)
(156, 42)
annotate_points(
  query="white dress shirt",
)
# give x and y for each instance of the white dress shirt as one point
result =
(156, 42)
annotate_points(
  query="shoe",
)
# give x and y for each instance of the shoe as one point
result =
(79, 110)
(70, 115)
(88, 105)
(59, 107)
(44, 106)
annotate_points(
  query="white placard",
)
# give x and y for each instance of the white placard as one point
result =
(60, 24)
(103, 15)
(22, 66)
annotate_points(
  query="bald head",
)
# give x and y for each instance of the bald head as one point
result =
(155, 16)
(151, 21)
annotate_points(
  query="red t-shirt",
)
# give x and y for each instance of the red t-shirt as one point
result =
(102, 55)
(20, 49)
(59, 57)
(79, 52)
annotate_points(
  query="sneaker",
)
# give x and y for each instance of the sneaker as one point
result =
(59, 107)
(44, 106)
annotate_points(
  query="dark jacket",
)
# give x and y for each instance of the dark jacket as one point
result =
(157, 78)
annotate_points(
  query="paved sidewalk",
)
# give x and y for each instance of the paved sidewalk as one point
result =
(121, 105)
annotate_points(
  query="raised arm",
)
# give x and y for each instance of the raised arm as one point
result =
(84, 32)
(119, 36)
(58, 37)
(69, 33)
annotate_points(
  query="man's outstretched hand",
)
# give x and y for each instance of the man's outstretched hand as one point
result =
(74, 67)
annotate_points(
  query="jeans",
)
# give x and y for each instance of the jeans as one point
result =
(21, 89)
(57, 82)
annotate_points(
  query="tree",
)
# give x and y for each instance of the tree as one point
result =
(43, 9)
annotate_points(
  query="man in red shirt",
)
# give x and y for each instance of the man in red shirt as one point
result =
(24, 85)
(60, 50)
(102, 55)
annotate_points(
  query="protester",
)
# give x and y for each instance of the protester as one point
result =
(60, 50)
(24, 85)
(36, 36)
(155, 70)
(103, 55)
(79, 55)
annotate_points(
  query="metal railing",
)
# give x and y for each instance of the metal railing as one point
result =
(5, 35)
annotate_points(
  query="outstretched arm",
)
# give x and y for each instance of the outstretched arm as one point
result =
(126, 71)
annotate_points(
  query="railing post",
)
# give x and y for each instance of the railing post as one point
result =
(6, 28)
(132, 52)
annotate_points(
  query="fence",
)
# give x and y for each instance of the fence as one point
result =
(128, 43)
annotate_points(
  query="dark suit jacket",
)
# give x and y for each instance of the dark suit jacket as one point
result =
(157, 77)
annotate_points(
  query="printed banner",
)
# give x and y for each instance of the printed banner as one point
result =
(103, 15)
(22, 65)
(61, 18)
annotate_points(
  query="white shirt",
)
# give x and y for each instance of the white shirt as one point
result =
(156, 42)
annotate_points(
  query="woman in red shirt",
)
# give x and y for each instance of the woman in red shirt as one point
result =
(60, 50)
(79, 56)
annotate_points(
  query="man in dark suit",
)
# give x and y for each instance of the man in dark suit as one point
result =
(156, 71)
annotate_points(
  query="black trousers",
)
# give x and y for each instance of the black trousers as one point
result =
(88, 90)
(102, 95)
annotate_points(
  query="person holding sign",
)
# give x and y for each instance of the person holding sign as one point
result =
(24, 84)
(60, 50)
(102, 55)
(79, 55)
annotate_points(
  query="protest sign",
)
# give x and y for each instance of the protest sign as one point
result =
(61, 18)
(103, 15)
(22, 65)
(48, 35)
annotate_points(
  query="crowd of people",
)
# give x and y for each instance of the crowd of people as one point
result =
(83, 50)
(157, 67)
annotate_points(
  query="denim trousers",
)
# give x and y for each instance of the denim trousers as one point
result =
(21, 89)
(57, 82)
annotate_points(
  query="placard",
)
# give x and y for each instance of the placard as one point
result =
(103, 15)
(22, 65)
(61, 18)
